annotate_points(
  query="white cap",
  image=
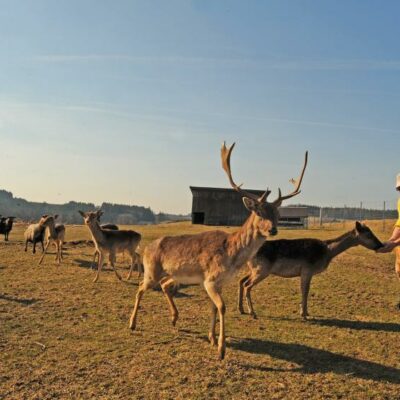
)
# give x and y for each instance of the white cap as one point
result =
(398, 181)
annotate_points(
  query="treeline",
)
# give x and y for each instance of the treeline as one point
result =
(68, 212)
(351, 213)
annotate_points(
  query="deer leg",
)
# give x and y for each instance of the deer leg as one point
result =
(26, 245)
(146, 284)
(34, 248)
(240, 293)
(214, 292)
(305, 288)
(44, 252)
(112, 263)
(250, 283)
(211, 334)
(42, 245)
(99, 266)
(94, 259)
(166, 285)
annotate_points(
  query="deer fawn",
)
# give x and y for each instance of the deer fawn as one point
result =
(300, 257)
(53, 234)
(212, 257)
(111, 242)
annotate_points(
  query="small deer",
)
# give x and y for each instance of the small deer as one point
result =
(111, 242)
(34, 234)
(210, 258)
(112, 227)
(300, 257)
(53, 234)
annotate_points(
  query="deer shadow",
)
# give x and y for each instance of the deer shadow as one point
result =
(313, 361)
(358, 325)
(25, 302)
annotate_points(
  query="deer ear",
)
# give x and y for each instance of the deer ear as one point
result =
(358, 226)
(82, 213)
(250, 204)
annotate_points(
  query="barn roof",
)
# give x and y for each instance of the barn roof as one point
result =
(214, 189)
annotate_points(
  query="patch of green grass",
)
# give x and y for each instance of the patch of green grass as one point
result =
(63, 337)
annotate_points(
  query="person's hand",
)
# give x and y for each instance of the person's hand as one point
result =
(387, 247)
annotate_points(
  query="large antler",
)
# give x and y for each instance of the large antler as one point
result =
(226, 165)
(296, 183)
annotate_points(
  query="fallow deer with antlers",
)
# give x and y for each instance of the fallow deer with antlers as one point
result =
(302, 258)
(210, 258)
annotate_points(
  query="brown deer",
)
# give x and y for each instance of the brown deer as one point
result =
(53, 234)
(111, 242)
(210, 258)
(113, 227)
(300, 257)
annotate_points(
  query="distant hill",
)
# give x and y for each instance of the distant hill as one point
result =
(68, 212)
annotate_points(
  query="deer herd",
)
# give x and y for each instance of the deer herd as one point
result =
(211, 258)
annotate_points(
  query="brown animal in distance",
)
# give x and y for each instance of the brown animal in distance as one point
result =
(300, 257)
(212, 257)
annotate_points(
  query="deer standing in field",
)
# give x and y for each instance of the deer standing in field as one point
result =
(300, 257)
(53, 234)
(111, 242)
(210, 258)
(112, 227)
(34, 234)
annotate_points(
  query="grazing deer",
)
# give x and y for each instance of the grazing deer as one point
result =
(300, 257)
(8, 228)
(111, 242)
(34, 234)
(210, 258)
(53, 234)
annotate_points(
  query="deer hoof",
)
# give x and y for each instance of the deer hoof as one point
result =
(212, 339)
(221, 352)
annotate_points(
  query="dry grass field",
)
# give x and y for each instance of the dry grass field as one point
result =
(63, 337)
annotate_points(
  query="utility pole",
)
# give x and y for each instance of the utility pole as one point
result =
(320, 216)
(361, 206)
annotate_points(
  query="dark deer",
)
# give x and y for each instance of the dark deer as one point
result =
(210, 258)
(8, 227)
(300, 257)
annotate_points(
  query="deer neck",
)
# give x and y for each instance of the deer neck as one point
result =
(52, 230)
(244, 244)
(97, 234)
(341, 244)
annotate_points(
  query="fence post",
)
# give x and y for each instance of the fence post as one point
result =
(320, 216)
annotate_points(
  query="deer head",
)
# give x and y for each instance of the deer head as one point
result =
(366, 237)
(266, 213)
(91, 216)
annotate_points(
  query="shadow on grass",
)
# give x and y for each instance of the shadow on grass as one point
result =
(358, 325)
(314, 361)
(25, 302)
(84, 263)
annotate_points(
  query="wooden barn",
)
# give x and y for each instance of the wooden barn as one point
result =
(219, 206)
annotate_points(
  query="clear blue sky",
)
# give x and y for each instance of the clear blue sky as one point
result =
(128, 101)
